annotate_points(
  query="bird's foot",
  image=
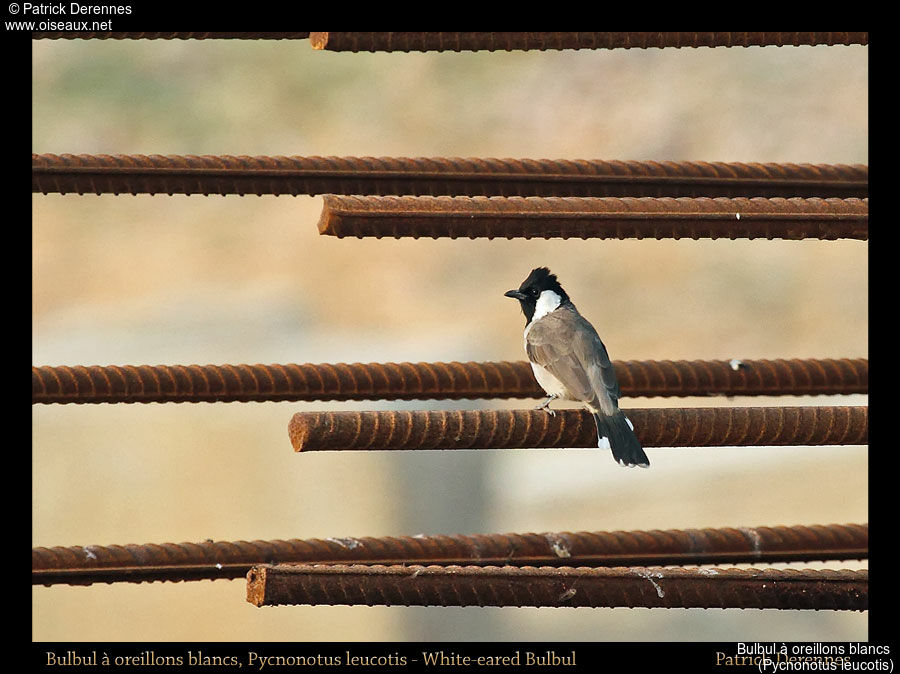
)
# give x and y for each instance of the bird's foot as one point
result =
(546, 406)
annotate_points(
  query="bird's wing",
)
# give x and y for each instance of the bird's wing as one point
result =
(551, 343)
(591, 353)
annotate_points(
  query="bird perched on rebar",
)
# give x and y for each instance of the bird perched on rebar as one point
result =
(570, 362)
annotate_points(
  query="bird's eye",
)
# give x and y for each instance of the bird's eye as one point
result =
(534, 292)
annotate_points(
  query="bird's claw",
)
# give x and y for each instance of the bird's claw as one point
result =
(546, 406)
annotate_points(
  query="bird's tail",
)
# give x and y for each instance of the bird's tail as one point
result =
(619, 434)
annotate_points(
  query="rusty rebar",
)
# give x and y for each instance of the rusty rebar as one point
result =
(513, 429)
(502, 41)
(189, 174)
(509, 41)
(84, 565)
(595, 217)
(415, 585)
(124, 35)
(448, 381)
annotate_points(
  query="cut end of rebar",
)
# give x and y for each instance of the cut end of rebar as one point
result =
(326, 218)
(299, 431)
(318, 40)
(256, 586)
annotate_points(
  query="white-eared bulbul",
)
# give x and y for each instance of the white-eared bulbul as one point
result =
(570, 362)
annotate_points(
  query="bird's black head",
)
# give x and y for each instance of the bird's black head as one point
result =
(529, 292)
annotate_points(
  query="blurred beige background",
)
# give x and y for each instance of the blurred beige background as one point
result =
(180, 280)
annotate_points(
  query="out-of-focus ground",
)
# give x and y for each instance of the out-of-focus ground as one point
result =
(180, 280)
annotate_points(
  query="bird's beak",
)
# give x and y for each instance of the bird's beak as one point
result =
(515, 293)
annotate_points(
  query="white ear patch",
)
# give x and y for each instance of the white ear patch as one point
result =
(547, 302)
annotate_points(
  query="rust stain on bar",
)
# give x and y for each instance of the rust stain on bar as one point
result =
(509, 41)
(595, 217)
(416, 585)
(85, 565)
(513, 429)
(190, 174)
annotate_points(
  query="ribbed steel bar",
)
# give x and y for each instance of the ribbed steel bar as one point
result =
(450, 381)
(122, 35)
(508, 41)
(83, 565)
(595, 217)
(512, 429)
(415, 585)
(189, 174)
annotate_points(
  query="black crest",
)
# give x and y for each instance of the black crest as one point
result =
(539, 280)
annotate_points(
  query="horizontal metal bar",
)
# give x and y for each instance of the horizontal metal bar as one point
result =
(84, 565)
(449, 381)
(595, 217)
(652, 587)
(502, 41)
(122, 35)
(508, 41)
(512, 429)
(190, 174)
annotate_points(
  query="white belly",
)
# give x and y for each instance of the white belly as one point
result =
(548, 382)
